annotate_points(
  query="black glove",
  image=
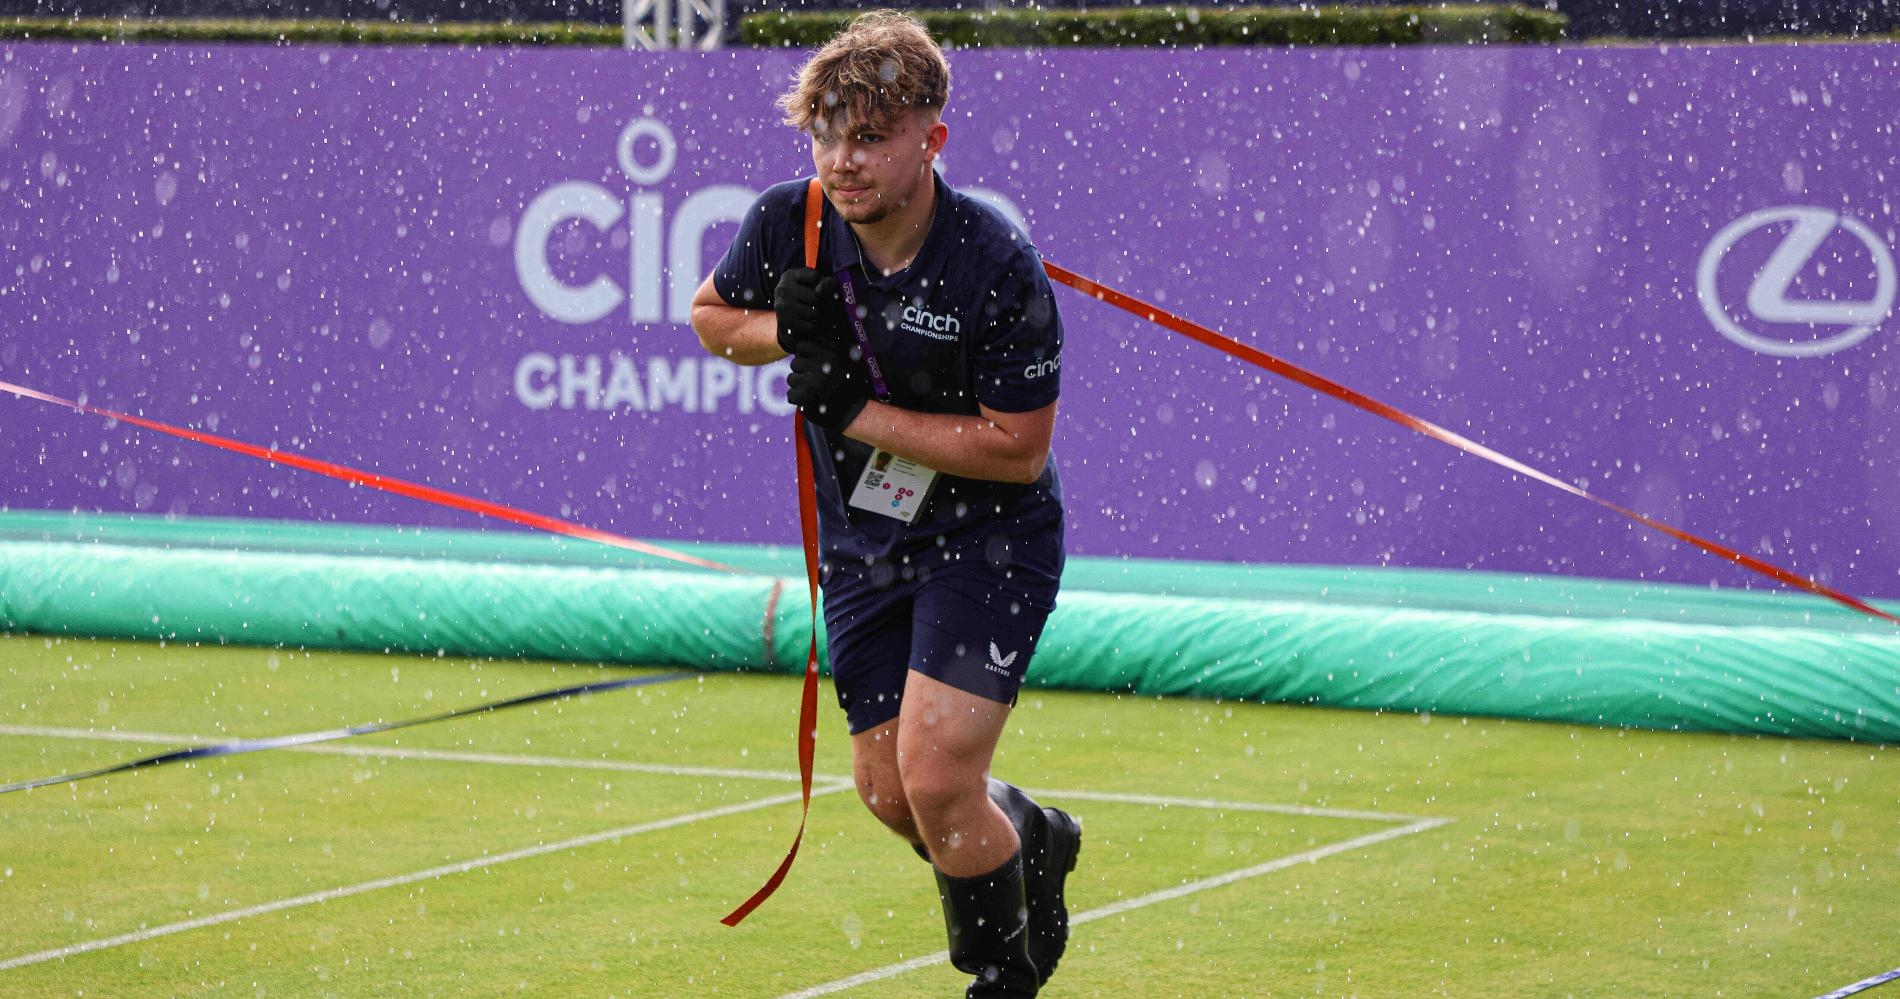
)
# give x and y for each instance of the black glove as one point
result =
(829, 386)
(808, 307)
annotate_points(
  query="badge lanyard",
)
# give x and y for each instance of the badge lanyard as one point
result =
(850, 288)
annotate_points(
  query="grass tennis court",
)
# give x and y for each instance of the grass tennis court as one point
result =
(589, 847)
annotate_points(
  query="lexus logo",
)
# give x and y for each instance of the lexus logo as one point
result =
(1769, 300)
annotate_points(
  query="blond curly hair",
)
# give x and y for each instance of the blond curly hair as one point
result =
(883, 63)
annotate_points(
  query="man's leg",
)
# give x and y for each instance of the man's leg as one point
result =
(868, 628)
(945, 740)
(881, 785)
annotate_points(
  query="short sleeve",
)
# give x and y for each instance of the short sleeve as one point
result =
(750, 269)
(1018, 360)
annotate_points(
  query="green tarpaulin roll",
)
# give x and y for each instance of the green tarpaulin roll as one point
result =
(1591, 652)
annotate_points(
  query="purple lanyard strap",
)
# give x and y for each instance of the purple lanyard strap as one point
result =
(863, 337)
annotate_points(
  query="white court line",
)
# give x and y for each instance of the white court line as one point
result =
(461, 867)
(1310, 856)
(832, 785)
(1138, 902)
(576, 763)
(395, 752)
(1228, 806)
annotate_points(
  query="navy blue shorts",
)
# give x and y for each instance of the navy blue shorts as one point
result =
(972, 626)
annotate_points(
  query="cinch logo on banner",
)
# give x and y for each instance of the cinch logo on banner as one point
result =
(664, 265)
(1769, 300)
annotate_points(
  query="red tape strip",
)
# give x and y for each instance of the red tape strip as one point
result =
(388, 484)
(808, 697)
(808, 530)
(808, 522)
(1327, 386)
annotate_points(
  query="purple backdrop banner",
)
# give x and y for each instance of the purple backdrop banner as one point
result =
(1665, 274)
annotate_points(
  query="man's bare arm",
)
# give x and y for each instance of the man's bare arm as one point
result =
(740, 335)
(1000, 447)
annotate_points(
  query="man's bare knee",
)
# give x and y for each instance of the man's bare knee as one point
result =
(885, 799)
(877, 776)
(937, 791)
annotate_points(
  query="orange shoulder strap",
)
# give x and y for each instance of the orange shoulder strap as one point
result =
(814, 216)
(808, 527)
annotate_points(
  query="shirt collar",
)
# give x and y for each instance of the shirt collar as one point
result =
(843, 251)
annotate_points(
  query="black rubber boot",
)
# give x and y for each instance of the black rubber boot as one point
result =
(1051, 839)
(988, 923)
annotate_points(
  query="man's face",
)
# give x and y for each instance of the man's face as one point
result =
(870, 170)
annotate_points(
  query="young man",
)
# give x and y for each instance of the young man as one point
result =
(930, 402)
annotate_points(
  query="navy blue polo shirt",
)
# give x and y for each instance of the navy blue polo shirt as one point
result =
(972, 321)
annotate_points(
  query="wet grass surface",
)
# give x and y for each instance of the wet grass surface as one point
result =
(550, 850)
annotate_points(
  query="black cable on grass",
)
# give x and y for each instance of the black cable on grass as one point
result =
(309, 738)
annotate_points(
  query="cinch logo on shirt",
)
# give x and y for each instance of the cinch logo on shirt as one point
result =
(918, 319)
(1040, 368)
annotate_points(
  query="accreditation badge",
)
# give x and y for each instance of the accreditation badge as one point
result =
(893, 486)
